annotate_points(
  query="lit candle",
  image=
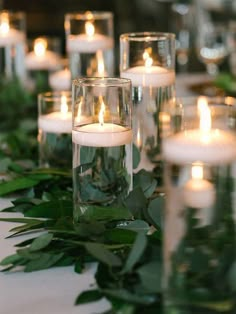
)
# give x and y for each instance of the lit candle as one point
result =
(9, 36)
(198, 192)
(60, 80)
(57, 122)
(148, 74)
(101, 134)
(207, 145)
(89, 42)
(42, 58)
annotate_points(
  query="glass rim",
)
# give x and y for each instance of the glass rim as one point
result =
(151, 36)
(50, 95)
(83, 15)
(11, 13)
(101, 81)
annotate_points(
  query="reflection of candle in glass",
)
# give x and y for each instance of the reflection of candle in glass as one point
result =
(100, 64)
(149, 75)
(198, 192)
(41, 58)
(90, 41)
(207, 145)
(101, 134)
(58, 121)
(9, 36)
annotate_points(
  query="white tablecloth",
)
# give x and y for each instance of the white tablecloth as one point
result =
(51, 291)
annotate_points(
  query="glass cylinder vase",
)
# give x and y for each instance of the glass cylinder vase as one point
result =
(89, 42)
(102, 142)
(199, 225)
(54, 129)
(12, 44)
(148, 60)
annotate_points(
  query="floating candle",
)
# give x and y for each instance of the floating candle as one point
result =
(149, 75)
(57, 122)
(60, 80)
(89, 42)
(41, 58)
(9, 36)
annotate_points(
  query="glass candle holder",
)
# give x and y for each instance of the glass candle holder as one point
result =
(61, 79)
(89, 41)
(148, 60)
(199, 224)
(12, 44)
(102, 142)
(54, 129)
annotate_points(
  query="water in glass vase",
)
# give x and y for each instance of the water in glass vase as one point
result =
(55, 149)
(95, 64)
(101, 175)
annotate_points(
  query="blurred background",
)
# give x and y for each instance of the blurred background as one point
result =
(46, 17)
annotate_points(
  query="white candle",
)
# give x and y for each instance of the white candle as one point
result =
(198, 192)
(9, 36)
(206, 145)
(89, 42)
(41, 58)
(60, 80)
(106, 135)
(154, 76)
(149, 75)
(57, 122)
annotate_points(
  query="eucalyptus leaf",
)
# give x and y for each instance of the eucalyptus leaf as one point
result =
(136, 202)
(137, 226)
(136, 252)
(45, 261)
(103, 255)
(136, 156)
(11, 259)
(17, 184)
(155, 211)
(41, 242)
(88, 296)
(104, 213)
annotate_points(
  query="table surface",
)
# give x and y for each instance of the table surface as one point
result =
(51, 291)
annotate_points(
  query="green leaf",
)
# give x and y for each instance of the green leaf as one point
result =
(4, 164)
(88, 296)
(136, 202)
(87, 154)
(146, 181)
(127, 296)
(45, 261)
(136, 252)
(150, 275)
(120, 235)
(103, 255)
(41, 242)
(17, 184)
(52, 209)
(155, 211)
(11, 259)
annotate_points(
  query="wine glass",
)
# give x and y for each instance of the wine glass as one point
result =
(212, 45)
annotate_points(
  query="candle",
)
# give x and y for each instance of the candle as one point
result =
(57, 122)
(149, 75)
(198, 192)
(101, 134)
(207, 145)
(9, 36)
(60, 80)
(41, 58)
(89, 42)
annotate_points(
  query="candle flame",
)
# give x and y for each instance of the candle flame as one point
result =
(138, 138)
(64, 106)
(40, 46)
(101, 112)
(148, 60)
(197, 171)
(100, 60)
(4, 25)
(89, 29)
(205, 118)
